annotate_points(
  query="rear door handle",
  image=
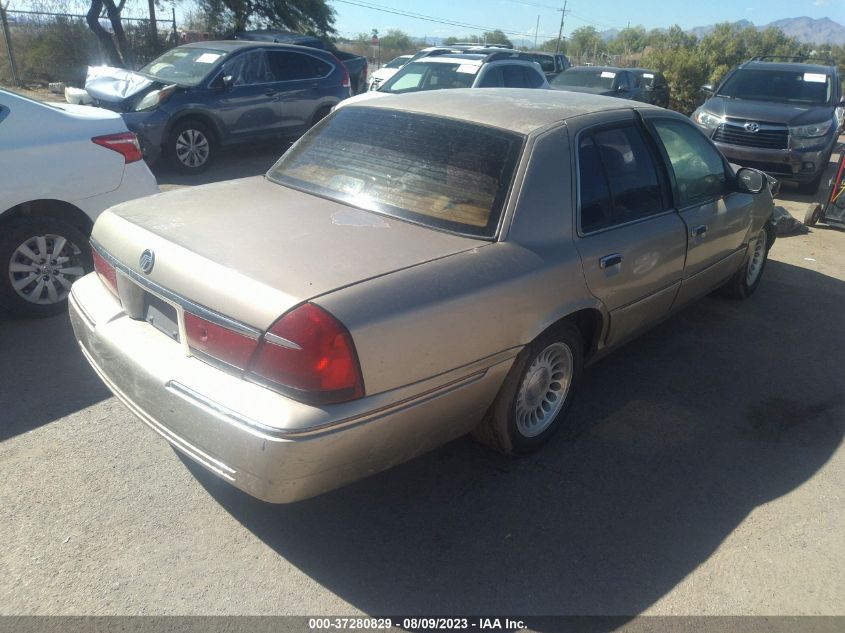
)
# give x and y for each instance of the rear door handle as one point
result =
(609, 261)
(699, 231)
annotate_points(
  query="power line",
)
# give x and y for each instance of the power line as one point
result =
(428, 18)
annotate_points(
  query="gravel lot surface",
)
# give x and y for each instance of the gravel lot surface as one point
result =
(708, 477)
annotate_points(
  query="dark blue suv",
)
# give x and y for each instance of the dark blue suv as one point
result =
(199, 97)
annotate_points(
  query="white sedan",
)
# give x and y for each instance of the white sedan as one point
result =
(61, 165)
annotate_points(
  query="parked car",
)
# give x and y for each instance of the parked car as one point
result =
(443, 69)
(196, 98)
(552, 63)
(602, 80)
(415, 268)
(779, 117)
(655, 85)
(355, 64)
(60, 166)
(387, 71)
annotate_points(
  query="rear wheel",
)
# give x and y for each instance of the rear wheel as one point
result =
(532, 403)
(320, 114)
(191, 147)
(39, 260)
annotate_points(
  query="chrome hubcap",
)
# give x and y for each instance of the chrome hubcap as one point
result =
(755, 264)
(43, 268)
(192, 148)
(543, 390)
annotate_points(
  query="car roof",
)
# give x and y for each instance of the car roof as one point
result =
(233, 45)
(608, 69)
(789, 67)
(452, 57)
(521, 110)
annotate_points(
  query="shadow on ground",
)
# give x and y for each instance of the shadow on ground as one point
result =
(239, 161)
(684, 432)
(43, 375)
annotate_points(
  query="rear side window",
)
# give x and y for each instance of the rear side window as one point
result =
(618, 180)
(533, 79)
(429, 170)
(296, 66)
(699, 170)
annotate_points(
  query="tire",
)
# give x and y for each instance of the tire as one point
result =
(745, 280)
(191, 147)
(813, 214)
(50, 254)
(320, 114)
(512, 424)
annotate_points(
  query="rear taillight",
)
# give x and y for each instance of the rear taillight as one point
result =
(346, 82)
(363, 80)
(105, 271)
(125, 143)
(216, 341)
(309, 355)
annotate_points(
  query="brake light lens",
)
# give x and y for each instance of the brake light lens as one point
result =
(125, 143)
(216, 341)
(309, 355)
(105, 271)
(347, 81)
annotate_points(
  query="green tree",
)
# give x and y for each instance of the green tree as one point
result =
(629, 40)
(585, 42)
(314, 17)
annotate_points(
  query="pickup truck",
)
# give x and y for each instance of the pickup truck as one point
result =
(355, 64)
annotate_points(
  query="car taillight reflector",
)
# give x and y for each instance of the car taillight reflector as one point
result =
(222, 343)
(105, 271)
(346, 82)
(125, 143)
(311, 356)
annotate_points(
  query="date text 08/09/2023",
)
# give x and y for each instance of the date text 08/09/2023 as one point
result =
(416, 623)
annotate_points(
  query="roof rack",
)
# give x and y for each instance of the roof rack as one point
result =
(508, 54)
(792, 58)
(481, 45)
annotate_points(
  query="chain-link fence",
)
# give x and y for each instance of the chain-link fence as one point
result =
(39, 47)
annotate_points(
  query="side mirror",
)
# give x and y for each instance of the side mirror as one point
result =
(622, 88)
(750, 180)
(708, 89)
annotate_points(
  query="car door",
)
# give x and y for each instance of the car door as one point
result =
(717, 216)
(631, 243)
(299, 81)
(246, 106)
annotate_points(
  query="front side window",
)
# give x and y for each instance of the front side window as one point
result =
(618, 180)
(248, 68)
(438, 172)
(698, 167)
(808, 88)
(431, 76)
(184, 65)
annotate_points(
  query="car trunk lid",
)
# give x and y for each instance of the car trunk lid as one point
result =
(252, 249)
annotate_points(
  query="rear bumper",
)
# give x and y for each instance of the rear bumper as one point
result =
(271, 447)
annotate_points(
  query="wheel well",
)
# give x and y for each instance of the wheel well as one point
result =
(58, 209)
(206, 120)
(589, 324)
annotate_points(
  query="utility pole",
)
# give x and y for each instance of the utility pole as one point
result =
(560, 32)
(12, 66)
(536, 30)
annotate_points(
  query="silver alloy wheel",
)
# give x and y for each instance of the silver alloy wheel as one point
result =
(755, 264)
(544, 389)
(192, 148)
(43, 268)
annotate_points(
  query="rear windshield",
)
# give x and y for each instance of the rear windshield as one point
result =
(586, 79)
(431, 76)
(184, 65)
(438, 172)
(809, 88)
(547, 62)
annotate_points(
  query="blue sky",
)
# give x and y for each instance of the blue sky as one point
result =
(521, 17)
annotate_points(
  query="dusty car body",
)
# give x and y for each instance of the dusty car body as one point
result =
(458, 295)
